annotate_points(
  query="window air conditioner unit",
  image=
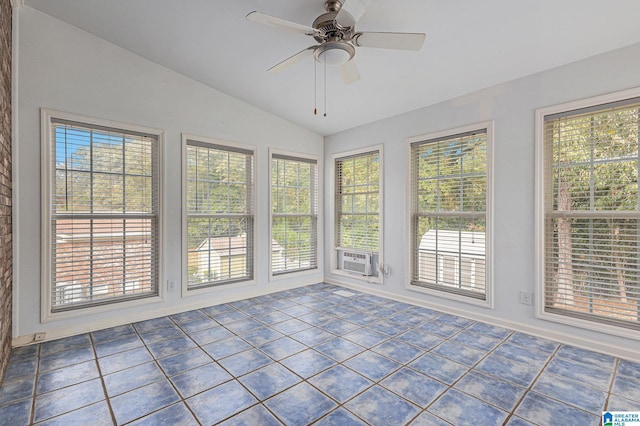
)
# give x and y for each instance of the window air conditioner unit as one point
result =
(357, 263)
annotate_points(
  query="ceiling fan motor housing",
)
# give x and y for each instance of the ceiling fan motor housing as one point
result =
(326, 23)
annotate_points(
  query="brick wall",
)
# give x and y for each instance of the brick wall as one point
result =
(6, 255)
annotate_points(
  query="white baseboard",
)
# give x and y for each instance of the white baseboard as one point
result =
(197, 303)
(564, 338)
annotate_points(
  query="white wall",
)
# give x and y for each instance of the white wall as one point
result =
(511, 106)
(63, 68)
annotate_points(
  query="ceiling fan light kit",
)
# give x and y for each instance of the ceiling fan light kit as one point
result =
(334, 53)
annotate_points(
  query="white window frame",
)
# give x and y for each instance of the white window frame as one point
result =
(540, 185)
(46, 128)
(335, 268)
(186, 291)
(488, 302)
(319, 227)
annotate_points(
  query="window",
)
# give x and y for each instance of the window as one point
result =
(219, 213)
(449, 215)
(357, 201)
(294, 214)
(357, 214)
(589, 230)
(102, 221)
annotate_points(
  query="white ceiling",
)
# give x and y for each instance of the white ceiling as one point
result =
(470, 45)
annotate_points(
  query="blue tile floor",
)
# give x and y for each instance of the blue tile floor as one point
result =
(313, 356)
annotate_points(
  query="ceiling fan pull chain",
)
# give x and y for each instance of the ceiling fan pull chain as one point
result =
(315, 88)
(325, 85)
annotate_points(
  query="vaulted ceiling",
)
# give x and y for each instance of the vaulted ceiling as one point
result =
(470, 45)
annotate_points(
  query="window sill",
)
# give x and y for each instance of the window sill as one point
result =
(48, 316)
(587, 324)
(302, 273)
(369, 279)
(199, 291)
(452, 296)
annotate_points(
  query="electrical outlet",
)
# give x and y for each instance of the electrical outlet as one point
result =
(526, 297)
(171, 285)
(39, 337)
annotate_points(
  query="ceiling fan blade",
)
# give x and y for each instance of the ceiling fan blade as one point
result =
(281, 23)
(349, 72)
(401, 41)
(351, 12)
(292, 60)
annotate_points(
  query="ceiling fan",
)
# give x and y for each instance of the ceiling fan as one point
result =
(337, 39)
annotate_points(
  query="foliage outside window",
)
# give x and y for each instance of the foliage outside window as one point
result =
(104, 215)
(449, 213)
(592, 214)
(358, 201)
(219, 214)
(294, 214)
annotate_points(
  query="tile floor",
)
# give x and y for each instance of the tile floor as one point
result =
(307, 356)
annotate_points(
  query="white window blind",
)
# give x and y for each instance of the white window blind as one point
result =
(358, 201)
(294, 214)
(449, 217)
(592, 213)
(220, 214)
(104, 215)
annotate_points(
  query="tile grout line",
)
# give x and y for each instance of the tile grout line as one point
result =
(155, 360)
(237, 379)
(447, 387)
(406, 365)
(452, 385)
(32, 417)
(614, 373)
(402, 365)
(94, 359)
(233, 377)
(306, 380)
(339, 404)
(215, 361)
(102, 382)
(533, 382)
